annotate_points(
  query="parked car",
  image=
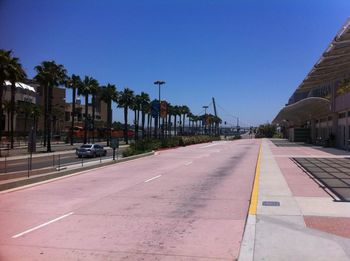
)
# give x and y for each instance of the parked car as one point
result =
(90, 150)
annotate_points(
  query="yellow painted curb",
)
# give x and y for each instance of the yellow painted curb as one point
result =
(254, 197)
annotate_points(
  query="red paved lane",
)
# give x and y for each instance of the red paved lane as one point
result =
(189, 203)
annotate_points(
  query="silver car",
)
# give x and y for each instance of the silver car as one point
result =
(90, 150)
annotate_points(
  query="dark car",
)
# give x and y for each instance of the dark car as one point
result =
(90, 150)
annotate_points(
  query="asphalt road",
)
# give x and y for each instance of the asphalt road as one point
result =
(51, 160)
(183, 204)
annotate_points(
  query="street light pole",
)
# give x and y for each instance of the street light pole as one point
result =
(159, 83)
(205, 117)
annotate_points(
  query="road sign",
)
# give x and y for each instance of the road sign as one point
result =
(114, 143)
(155, 108)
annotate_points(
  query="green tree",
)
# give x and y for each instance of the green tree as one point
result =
(74, 82)
(108, 94)
(126, 99)
(49, 75)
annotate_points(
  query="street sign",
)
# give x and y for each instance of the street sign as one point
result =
(114, 143)
(155, 108)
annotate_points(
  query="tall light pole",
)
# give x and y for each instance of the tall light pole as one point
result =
(159, 83)
(205, 117)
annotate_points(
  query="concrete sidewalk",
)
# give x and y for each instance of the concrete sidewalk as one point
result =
(294, 218)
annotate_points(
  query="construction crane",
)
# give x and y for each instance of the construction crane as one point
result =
(216, 116)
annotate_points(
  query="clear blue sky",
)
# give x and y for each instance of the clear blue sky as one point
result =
(249, 55)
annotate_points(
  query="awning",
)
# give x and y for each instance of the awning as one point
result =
(21, 85)
(298, 113)
(334, 63)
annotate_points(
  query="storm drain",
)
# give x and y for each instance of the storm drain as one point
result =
(333, 173)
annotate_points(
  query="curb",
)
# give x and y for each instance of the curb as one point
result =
(64, 174)
(246, 252)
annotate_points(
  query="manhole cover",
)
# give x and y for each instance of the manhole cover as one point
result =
(271, 203)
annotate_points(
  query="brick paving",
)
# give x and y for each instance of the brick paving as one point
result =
(339, 226)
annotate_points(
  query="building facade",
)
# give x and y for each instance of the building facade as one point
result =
(319, 109)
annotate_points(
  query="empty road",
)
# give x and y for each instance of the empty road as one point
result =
(187, 203)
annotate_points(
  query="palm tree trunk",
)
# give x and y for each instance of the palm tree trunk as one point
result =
(175, 133)
(49, 122)
(1, 111)
(13, 93)
(109, 121)
(86, 118)
(73, 116)
(135, 128)
(169, 125)
(143, 123)
(93, 117)
(126, 125)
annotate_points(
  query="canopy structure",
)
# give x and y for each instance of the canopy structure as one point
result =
(21, 85)
(334, 63)
(302, 111)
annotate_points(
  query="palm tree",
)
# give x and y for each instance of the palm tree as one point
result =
(170, 114)
(126, 99)
(7, 108)
(25, 108)
(137, 108)
(108, 94)
(74, 82)
(176, 112)
(144, 102)
(5, 57)
(49, 75)
(85, 90)
(10, 69)
(184, 110)
(94, 91)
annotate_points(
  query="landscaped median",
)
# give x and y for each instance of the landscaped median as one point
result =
(147, 145)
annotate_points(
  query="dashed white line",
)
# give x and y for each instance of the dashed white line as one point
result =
(188, 163)
(42, 225)
(153, 178)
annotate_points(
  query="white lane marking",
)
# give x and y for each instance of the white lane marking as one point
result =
(188, 163)
(153, 178)
(42, 225)
(210, 145)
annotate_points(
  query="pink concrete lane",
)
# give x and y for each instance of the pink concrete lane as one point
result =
(184, 204)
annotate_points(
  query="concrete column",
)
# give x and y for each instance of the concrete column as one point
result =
(313, 131)
(335, 127)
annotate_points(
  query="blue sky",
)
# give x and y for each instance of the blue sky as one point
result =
(249, 55)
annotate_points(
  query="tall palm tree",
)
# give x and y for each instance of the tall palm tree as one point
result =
(94, 91)
(5, 58)
(144, 102)
(170, 114)
(25, 108)
(184, 110)
(108, 94)
(85, 90)
(176, 112)
(74, 82)
(15, 74)
(126, 99)
(49, 75)
(137, 107)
